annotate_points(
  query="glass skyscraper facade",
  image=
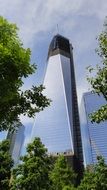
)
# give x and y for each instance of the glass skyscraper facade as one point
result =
(94, 136)
(16, 141)
(58, 125)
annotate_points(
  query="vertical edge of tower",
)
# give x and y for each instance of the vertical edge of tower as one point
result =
(78, 153)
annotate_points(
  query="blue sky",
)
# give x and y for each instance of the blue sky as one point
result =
(79, 20)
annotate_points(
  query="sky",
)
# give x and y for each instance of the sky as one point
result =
(79, 20)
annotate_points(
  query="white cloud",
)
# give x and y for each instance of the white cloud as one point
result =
(35, 16)
(96, 8)
(75, 19)
(25, 120)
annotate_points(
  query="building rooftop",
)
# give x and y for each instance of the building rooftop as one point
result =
(59, 44)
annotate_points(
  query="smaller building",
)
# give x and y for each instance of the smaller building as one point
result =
(94, 136)
(16, 141)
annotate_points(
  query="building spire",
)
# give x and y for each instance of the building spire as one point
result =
(57, 27)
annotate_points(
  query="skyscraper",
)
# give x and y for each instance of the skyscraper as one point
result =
(94, 136)
(58, 125)
(16, 141)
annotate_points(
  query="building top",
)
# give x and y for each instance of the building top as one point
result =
(59, 45)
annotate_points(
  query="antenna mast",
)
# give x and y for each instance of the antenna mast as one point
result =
(57, 27)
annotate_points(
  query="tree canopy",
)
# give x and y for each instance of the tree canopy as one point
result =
(6, 164)
(99, 80)
(95, 179)
(33, 172)
(39, 171)
(14, 66)
(62, 174)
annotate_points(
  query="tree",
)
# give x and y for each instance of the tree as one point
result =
(88, 181)
(6, 164)
(95, 179)
(14, 66)
(99, 81)
(69, 188)
(33, 173)
(62, 174)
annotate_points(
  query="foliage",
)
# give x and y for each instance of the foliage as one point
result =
(14, 66)
(69, 188)
(39, 172)
(33, 173)
(62, 174)
(96, 179)
(6, 164)
(99, 81)
(88, 182)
